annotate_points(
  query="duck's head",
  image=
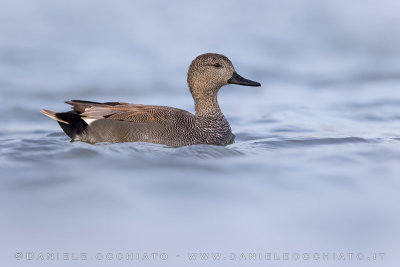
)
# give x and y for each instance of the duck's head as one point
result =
(209, 72)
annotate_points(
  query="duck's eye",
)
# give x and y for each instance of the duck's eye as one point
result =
(217, 65)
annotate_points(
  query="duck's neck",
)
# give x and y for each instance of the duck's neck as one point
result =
(206, 104)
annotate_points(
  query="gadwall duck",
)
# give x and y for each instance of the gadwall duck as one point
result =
(115, 122)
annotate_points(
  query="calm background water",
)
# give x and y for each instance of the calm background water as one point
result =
(315, 167)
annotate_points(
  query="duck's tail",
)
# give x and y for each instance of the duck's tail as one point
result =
(53, 115)
(70, 122)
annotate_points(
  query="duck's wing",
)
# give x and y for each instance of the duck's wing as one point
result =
(135, 113)
(80, 105)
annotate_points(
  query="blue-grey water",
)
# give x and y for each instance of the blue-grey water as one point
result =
(315, 167)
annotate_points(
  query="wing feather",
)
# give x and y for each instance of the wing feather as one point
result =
(135, 113)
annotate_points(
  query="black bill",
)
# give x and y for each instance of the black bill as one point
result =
(237, 79)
